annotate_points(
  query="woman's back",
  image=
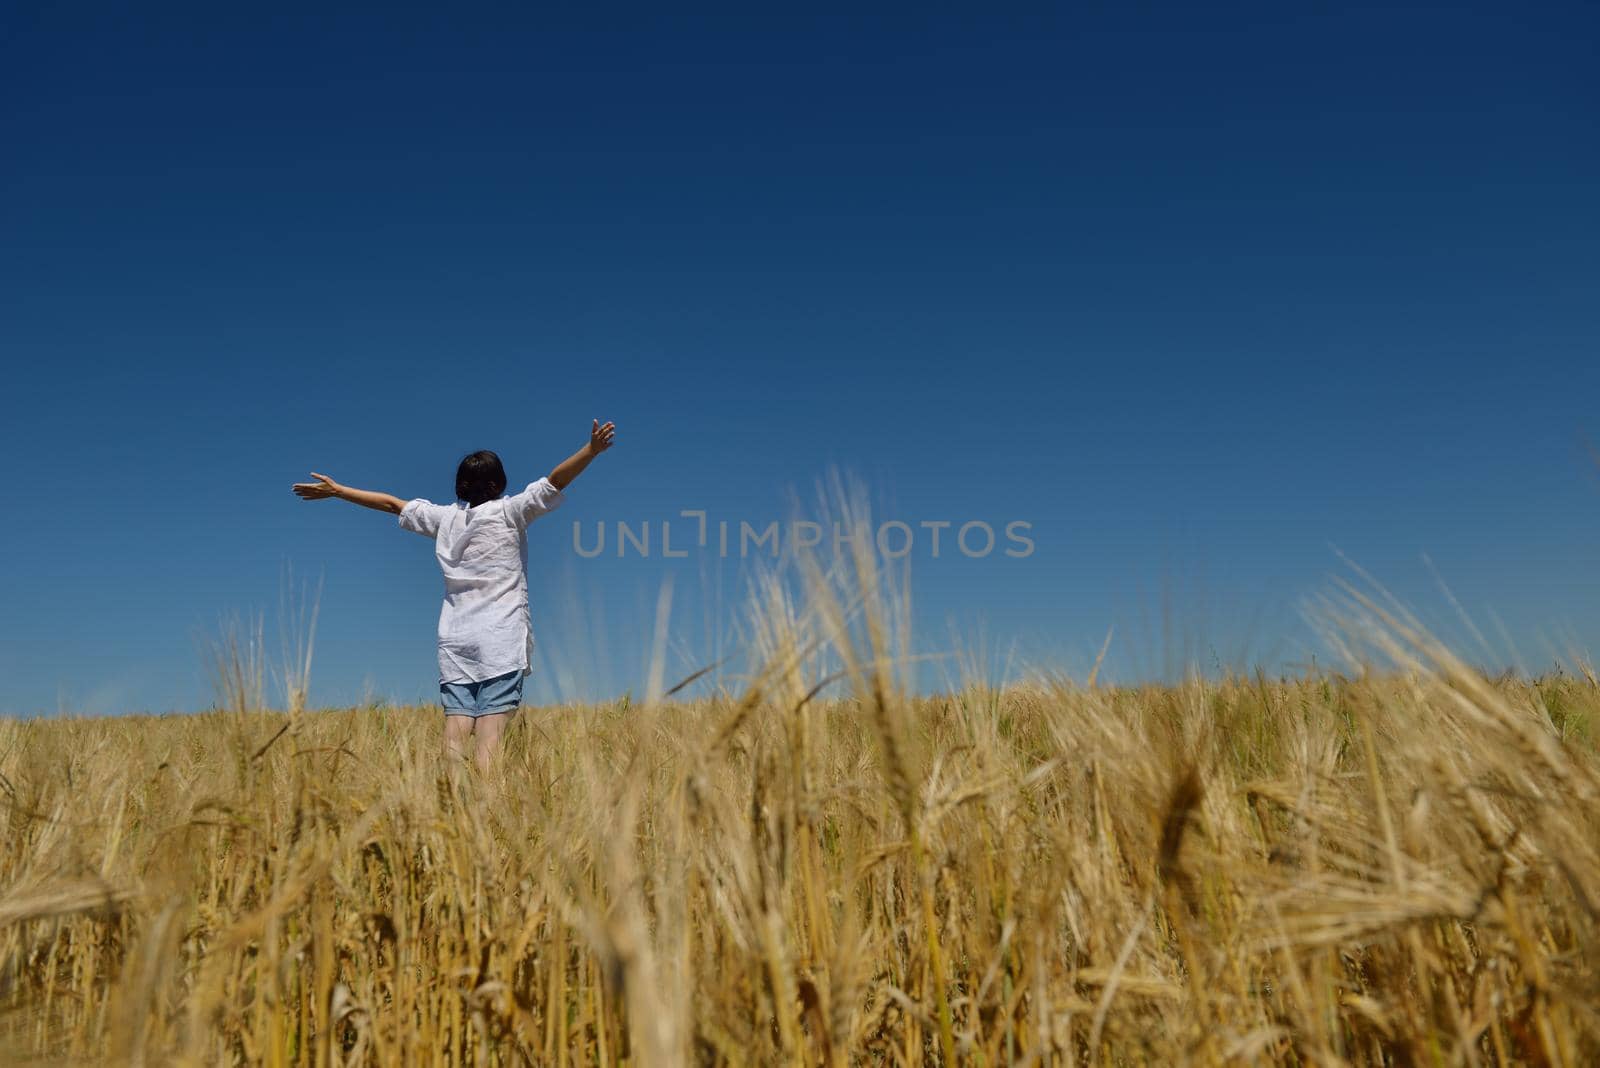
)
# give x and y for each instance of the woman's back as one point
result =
(484, 628)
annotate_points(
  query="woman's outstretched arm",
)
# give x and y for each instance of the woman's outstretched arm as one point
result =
(601, 438)
(325, 487)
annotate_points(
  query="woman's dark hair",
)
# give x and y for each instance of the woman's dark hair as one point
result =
(480, 478)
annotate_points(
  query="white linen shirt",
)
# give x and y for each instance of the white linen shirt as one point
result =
(484, 628)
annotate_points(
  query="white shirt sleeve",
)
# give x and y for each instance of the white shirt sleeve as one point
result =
(538, 499)
(421, 517)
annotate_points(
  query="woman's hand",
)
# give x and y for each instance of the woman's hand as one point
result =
(322, 488)
(601, 438)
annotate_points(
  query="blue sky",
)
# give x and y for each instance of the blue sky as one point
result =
(1198, 292)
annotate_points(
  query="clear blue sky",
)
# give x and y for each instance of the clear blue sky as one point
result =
(1198, 291)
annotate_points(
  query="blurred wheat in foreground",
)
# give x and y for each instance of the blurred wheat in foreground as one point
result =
(1400, 867)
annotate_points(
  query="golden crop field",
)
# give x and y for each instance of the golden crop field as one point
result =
(1400, 867)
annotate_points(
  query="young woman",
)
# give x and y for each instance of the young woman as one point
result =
(481, 542)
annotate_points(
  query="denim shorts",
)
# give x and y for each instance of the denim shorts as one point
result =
(503, 693)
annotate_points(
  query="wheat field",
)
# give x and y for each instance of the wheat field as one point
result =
(1397, 866)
